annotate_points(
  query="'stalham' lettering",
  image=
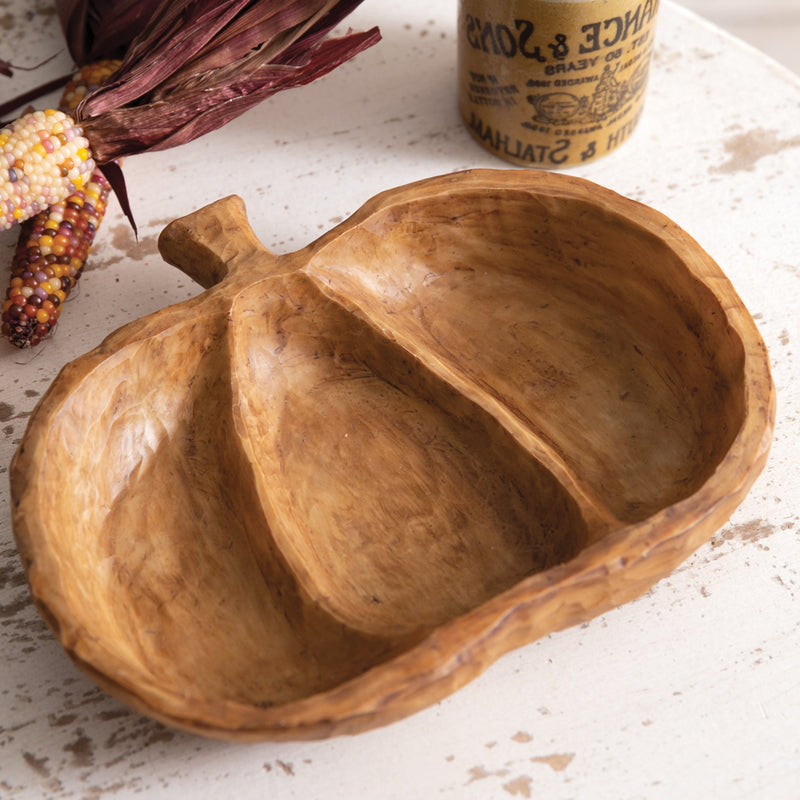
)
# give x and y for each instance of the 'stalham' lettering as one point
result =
(514, 148)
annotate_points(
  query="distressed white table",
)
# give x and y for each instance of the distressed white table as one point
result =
(693, 691)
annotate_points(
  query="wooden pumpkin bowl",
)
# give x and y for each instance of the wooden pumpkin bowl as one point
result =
(340, 483)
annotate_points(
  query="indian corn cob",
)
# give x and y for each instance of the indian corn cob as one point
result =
(46, 156)
(194, 66)
(54, 244)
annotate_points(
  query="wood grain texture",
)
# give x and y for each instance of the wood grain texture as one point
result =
(337, 485)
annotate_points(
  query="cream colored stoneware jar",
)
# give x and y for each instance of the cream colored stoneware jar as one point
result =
(553, 83)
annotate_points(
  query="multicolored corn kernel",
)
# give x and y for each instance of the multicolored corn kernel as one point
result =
(44, 157)
(49, 261)
(53, 246)
(87, 79)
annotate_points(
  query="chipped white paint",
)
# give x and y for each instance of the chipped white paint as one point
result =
(690, 692)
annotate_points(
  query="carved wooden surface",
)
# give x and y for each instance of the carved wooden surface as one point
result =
(341, 482)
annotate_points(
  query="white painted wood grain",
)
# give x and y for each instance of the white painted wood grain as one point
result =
(773, 26)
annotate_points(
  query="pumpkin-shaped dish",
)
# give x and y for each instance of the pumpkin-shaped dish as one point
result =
(339, 483)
